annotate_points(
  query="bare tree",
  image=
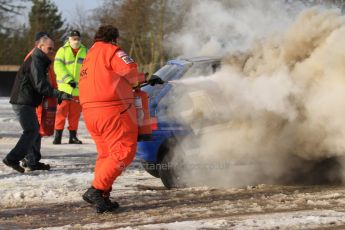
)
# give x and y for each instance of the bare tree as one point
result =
(11, 6)
(11, 33)
(143, 26)
(7, 9)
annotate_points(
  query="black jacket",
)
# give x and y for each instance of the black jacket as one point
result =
(31, 82)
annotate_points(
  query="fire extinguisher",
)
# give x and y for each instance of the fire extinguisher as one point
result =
(46, 116)
(46, 111)
(143, 115)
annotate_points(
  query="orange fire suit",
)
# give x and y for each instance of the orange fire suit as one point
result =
(70, 109)
(106, 80)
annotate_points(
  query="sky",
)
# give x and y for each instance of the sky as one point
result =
(67, 8)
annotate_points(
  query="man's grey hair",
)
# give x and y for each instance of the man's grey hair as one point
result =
(43, 39)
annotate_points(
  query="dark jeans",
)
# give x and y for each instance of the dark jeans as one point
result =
(29, 143)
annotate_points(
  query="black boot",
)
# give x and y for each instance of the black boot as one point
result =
(73, 137)
(39, 166)
(95, 197)
(106, 196)
(112, 204)
(58, 136)
(15, 165)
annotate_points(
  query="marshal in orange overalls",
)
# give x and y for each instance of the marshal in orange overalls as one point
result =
(107, 77)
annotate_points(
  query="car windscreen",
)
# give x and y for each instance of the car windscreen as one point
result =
(166, 73)
(170, 103)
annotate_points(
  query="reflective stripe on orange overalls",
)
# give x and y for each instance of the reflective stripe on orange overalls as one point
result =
(107, 99)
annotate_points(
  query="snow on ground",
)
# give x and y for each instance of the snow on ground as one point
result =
(71, 173)
(52, 200)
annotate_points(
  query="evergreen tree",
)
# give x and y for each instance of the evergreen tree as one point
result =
(12, 46)
(44, 16)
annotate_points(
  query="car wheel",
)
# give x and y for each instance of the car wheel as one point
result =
(169, 168)
(151, 168)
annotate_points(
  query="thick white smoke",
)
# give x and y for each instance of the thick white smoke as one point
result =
(278, 101)
(216, 27)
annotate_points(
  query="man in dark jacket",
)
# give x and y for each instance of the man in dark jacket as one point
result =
(30, 85)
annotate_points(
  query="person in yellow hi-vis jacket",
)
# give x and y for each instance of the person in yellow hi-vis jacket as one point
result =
(68, 61)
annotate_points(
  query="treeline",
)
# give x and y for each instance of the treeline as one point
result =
(16, 39)
(143, 26)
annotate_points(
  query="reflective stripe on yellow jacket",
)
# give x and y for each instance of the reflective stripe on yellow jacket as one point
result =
(67, 67)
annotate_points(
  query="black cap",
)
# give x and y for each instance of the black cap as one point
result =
(74, 33)
(39, 35)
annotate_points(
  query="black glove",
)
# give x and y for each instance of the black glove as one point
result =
(63, 96)
(72, 83)
(155, 80)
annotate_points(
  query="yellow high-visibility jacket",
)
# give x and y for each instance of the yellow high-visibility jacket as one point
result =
(67, 67)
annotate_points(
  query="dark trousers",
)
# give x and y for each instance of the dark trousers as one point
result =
(29, 143)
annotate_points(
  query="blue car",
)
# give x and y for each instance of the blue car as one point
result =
(156, 153)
